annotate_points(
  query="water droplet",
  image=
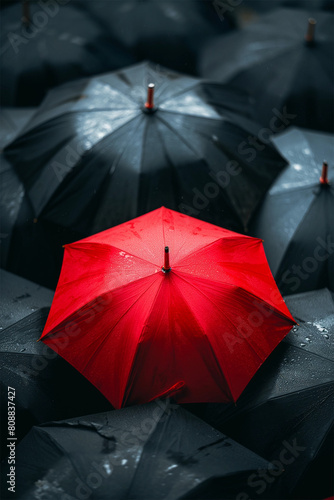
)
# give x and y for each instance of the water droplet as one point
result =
(308, 339)
(22, 350)
(326, 336)
(302, 345)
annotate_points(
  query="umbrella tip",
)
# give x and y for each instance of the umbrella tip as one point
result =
(166, 267)
(149, 105)
(25, 13)
(310, 34)
(324, 174)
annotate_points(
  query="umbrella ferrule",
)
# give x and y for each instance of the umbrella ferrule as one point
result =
(310, 34)
(25, 13)
(149, 104)
(166, 267)
(324, 174)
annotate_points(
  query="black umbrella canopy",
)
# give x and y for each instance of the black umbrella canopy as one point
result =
(285, 61)
(45, 386)
(20, 298)
(166, 32)
(314, 312)
(25, 247)
(95, 155)
(295, 219)
(12, 120)
(286, 416)
(44, 44)
(150, 451)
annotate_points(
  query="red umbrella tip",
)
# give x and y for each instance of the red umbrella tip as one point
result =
(309, 37)
(166, 266)
(324, 174)
(150, 96)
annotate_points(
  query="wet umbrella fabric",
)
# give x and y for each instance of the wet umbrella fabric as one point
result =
(295, 219)
(286, 416)
(20, 298)
(273, 61)
(147, 452)
(314, 312)
(60, 43)
(46, 387)
(168, 33)
(110, 159)
(12, 120)
(185, 324)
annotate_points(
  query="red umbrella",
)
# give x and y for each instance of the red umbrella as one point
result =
(139, 329)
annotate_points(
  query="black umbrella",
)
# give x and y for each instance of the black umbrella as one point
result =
(314, 312)
(283, 63)
(154, 451)
(168, 33)
(45, 386)
(286, 416)
(295, 220)
(47, 44)
(95, 155)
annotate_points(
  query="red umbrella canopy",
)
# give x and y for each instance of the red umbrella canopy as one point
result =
(195, 326)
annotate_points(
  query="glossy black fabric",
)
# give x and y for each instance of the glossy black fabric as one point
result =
(295, 219)
(151, 451)
(273, 62)
(46, 387)
(91, 158)
(314, 312)
(287, 406)
(60, 44)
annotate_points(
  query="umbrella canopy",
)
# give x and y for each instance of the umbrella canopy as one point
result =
(169, 32)
(124, 156)
(295, 218)
(49, 43)
(314, 312)
(182, 331)
(46, 387)
(284, 63)
(152, 451)
(286, 416)
(12, 120)
(20, 298)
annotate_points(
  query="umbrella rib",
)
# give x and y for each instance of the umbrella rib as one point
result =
(226, 317)
(305, 389)
(177, 93)
(297, 228)
(180, 137)
(218, 366)
(106, 337)
(143, 328)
